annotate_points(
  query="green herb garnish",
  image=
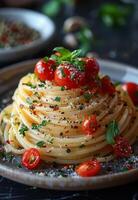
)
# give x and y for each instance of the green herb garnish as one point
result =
(30, 85)
(70, 57)
(45, 58)
(41, 144)
(87, 96)
(23, 129)
(38, 126)
(57, 99)
(112, 132)
(62, 88)
(41, 85)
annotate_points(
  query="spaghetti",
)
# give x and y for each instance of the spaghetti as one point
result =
(49, 117)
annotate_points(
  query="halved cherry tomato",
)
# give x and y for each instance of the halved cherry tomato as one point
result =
(89, 125)
(67, 75)
(122, 148)
(132, 89)
(107, 85)
(91, 67)
(31, 158)
(45, 69)
(88, 168)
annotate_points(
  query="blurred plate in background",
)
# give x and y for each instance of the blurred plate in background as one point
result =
(34, 20)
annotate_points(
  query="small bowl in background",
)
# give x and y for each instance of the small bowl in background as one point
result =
(32, 19)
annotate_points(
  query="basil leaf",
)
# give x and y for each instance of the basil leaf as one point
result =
(56, 58)
(62, 50)
(45, 58)
(112, 132)
(76, 53)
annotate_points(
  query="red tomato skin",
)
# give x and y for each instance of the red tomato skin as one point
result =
(91, 67)
(132, 89)
(26, 156)
(88, 168)
(89, 125)
(107, 85)
(67, 75)
(44, 70)
(122, 148)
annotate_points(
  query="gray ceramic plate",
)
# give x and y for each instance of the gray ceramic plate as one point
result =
(9, 78)
(35, 20)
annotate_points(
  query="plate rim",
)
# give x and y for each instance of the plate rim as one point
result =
(68, 183)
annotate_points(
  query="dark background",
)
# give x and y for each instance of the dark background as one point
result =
(119, 44)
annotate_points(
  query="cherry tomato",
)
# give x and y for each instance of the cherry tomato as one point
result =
(88, 168)
(31, 158)
(69, 76)
(45, 69)
(132, 89)
(122, 148)
(107, 85)
(95, 86)
(89, 125)
(92, 68)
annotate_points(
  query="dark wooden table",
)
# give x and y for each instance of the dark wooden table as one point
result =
(120, 45)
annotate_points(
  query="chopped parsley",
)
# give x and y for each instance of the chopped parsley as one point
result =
(23, 129)
(38, 126)
(112, 132)
(41, 144)
(41, 85)
(87, 96)
(30, 85)
(62, 88)
(57, 99)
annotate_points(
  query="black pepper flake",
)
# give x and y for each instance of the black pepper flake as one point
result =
(68, 150)
(82, 146)
(61, 134)
(81, 107)
(32, 107)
